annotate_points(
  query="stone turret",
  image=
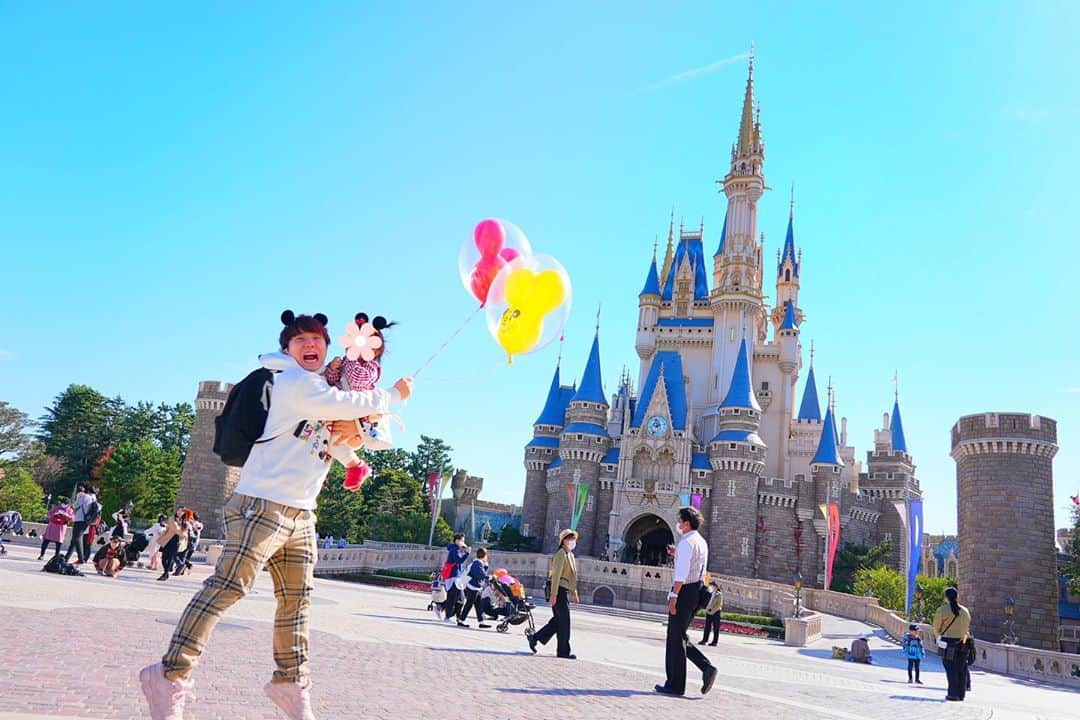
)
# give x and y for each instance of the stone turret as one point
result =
(206, 482)
(890, 478)
(1005, 516)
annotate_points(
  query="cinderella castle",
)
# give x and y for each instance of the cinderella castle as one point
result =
(718, 419)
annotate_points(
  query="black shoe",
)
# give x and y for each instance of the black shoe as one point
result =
(712, 644)
(703, 642)
(532, 642)
(40, 558)
(950, 698)
(664, 690)
(571, 656)
(707, 679)
(918, 682)
(164, 576)
(483, 626)
(909, 681)
(462, 624)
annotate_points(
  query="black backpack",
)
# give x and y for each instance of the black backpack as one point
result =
(243, 420)
(704, 597)
(58, 566)
(92, 512)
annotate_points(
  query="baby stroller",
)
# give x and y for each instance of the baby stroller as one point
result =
(10, 521)
(511, 603)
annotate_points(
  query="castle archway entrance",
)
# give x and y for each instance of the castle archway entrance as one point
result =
(646, 541)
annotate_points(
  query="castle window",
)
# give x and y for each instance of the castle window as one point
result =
(765, 386)
(589, 504)
(732, 446)
(787, 275)
(580, 436)
(736, 411)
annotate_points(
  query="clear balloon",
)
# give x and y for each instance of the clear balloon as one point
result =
(528, 304)
(494, 244)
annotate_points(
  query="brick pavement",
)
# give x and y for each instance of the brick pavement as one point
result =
(74, 646)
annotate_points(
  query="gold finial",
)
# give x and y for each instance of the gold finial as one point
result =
(791, 213)
(811, 353)
(597, 318)
(751, 57)
(896, 385)
(655, 245)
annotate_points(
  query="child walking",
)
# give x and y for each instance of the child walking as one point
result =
(914, 652)
(269, 521)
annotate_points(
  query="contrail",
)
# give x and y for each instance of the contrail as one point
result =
(690, 74)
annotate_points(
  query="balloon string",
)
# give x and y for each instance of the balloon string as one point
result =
(467, 378)
(446, 342)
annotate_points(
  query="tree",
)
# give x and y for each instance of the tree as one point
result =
(850, 558)
(144, 474)
(389, 459)
(13, 425)
(933, 596)
(77, 428)
(432, 455)
(140, 421)
(1072, 565)
(18, 491)
(884, 583)
(175, 430)
(340, 512)
(45, 469)
(510, 538)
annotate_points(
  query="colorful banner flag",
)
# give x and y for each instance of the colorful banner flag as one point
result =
(571, 495)
(684, 499)
(834, 540)
(695, 500)
(915, 538)
(579, 506)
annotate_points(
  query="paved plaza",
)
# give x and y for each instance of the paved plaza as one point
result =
(72, 648)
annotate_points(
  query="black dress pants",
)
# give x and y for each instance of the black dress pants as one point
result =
(712, 624)
(679, 647)
(955, 662)
(472, 599)
(78, 543)
(558, 625)
(912, 664)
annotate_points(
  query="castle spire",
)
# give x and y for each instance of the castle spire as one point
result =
(896, 427)
(592, 384)
(827, 452)
(809, 409)
(723, 237)
(790, 322)
(740, 392)
(652, 281)
(670, 253)
(553, 412)
(789, 259)
(747, 124)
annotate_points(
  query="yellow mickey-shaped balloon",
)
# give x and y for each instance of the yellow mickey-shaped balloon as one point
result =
(530, 296)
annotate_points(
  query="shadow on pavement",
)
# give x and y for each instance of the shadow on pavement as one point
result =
(916, 698)
(475, 651)
(605, 692)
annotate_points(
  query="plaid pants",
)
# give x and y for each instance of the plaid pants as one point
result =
(258, 533)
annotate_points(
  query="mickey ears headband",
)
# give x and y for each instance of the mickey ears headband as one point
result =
(379, 323)
(288, 318)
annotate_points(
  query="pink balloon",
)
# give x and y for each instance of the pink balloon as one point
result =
(508, 254)
(489, 237)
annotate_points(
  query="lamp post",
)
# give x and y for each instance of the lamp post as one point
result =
(918, 602)
(1009, 637)
(798, 593)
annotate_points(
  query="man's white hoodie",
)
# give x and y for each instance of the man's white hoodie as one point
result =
(289, 463)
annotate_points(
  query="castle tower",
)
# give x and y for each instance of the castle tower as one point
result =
(206, 482)
(788, 264)
(890, 477)
(1005, 515)
(540, 452)
(583, 442)
(825, 469)
(737, 457)
(737, 300)
(648, 313)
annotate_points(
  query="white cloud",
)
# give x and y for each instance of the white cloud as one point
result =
(693, 73)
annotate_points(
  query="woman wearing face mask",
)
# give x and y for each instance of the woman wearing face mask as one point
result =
(457, 553)
(563, 585)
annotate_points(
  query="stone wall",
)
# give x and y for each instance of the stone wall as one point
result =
(1005, 516)
(205, 481)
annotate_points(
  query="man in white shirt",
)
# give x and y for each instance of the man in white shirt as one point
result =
(691, 556)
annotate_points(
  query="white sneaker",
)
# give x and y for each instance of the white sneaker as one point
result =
(166, 697)
(438, 612)
(293, 698)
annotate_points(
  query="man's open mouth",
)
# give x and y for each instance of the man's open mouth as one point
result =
(311, 357)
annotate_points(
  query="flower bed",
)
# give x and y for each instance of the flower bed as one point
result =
(740, 628)
(392, 582)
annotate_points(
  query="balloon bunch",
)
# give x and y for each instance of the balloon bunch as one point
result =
(526, 297)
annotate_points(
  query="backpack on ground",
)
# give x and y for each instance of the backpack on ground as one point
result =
(92, 512)
(243, 419)
(58, 566)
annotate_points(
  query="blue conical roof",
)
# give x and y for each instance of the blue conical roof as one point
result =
(554, 409)
(827, 452)
(740, 392)
(789, 250)
(790, 323)
(899, 444)
(809, 409)
(592, 385)
(689, 250)
(723, 236)
(652, 281)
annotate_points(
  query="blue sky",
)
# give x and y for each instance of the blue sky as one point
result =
(174, 178)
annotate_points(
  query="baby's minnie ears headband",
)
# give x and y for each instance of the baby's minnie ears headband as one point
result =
(289, 317)
(379, 323)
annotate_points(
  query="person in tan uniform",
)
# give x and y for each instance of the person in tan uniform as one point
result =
(952, 623)
(563, 586)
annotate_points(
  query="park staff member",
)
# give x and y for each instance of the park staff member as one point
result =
(690, 558)
(563, 585)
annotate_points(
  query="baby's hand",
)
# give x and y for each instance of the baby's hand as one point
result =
(335, 364)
